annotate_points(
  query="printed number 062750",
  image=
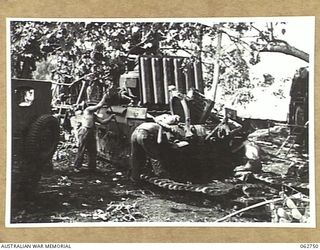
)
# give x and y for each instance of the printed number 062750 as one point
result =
(309, 245)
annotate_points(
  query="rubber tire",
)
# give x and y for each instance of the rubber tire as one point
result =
(299, 119)
(299, 116)
(40, 147)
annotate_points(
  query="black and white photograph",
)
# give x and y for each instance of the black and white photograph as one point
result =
(203, 122)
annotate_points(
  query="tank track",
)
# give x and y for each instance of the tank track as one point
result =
(219, 188)
(215, 188)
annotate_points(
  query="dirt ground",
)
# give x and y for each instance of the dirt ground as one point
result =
(67, 196)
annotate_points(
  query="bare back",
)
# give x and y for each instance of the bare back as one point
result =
(88, 119)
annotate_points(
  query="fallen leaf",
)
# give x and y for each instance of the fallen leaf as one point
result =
(281, 212)
(296, 214)
(290, 203)
(84, 215)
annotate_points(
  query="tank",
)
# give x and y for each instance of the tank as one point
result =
(203, 146)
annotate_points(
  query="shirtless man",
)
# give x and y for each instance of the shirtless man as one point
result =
(146, 142)
(86, 134)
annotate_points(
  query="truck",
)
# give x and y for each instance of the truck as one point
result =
(298, 107)
(34, 134)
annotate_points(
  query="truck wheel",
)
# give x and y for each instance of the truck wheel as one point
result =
(42, 139)
(299, 116)
(298, 119)
(301, 132)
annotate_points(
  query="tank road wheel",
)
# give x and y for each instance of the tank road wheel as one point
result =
(40, 145)
(42, 139)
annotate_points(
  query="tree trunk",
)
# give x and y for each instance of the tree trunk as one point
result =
(216, 72)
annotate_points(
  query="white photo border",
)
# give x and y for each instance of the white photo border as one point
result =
(310, 20)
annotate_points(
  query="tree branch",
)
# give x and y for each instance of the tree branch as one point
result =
(262, 35)
(262, 203)
(284, 48)
(236, 39)
(248, 208)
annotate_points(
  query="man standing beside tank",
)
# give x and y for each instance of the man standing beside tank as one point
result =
(86, 134)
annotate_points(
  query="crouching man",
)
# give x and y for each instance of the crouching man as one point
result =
(146, 141)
